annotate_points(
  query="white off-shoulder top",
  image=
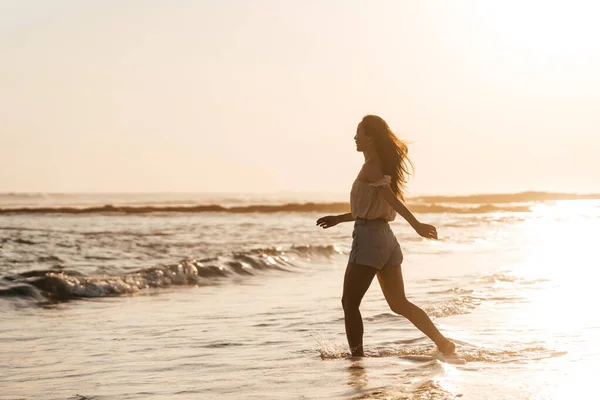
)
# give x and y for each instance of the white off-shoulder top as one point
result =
(367, 203)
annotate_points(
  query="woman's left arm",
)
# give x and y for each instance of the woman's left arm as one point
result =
(424, 230)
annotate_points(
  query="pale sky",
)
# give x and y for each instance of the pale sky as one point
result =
(264, 96)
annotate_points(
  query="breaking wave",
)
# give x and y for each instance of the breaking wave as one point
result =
(59, 284)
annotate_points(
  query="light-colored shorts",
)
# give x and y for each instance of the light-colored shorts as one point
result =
(374, 244)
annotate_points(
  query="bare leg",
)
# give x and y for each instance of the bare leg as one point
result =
(392, 286)
(357, 280)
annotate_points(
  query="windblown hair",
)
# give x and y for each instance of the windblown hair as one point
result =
(392, 152)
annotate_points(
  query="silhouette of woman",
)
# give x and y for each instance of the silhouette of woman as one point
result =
(375, 198)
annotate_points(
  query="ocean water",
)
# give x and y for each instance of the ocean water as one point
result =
(162, 297)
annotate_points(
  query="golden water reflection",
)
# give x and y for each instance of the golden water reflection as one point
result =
(561, 264)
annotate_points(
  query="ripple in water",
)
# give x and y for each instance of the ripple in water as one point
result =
(426, 353)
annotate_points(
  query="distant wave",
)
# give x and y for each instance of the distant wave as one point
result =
(468, 204)
(56, 285)
(522, 197)
(106, 209)
(338, 207)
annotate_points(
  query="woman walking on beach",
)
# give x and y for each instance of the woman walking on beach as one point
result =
(375, 198)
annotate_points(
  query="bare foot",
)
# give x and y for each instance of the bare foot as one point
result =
(447, 348)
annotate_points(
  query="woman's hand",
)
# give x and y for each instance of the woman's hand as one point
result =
(328, 221)
(427, 231)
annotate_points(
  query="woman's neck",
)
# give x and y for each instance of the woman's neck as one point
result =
(371, 157)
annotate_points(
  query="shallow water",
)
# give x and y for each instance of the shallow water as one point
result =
(516, 291)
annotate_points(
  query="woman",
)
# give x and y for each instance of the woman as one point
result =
(374, 201)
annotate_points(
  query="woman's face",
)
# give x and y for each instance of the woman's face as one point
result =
(363, 142)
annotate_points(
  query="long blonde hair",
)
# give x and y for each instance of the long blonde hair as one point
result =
(392, 152)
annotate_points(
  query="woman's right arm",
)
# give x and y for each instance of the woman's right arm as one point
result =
(333, 220)
(345, 217)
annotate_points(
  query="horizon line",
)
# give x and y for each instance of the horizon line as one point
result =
(423, 194)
